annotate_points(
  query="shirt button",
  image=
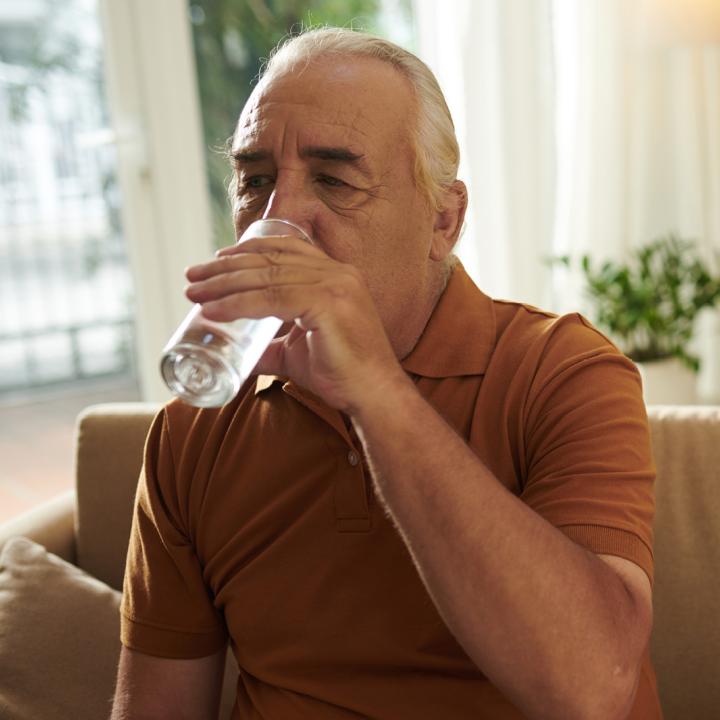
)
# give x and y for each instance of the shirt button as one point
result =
(353, 458)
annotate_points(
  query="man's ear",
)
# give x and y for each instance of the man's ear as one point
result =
(449, 220)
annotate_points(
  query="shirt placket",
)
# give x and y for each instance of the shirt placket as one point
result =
(350, 491)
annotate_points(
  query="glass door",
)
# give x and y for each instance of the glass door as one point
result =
(65, 286)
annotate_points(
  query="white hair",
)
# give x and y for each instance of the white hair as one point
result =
(437, 154)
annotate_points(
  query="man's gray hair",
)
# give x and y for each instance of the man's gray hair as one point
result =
(437, 154)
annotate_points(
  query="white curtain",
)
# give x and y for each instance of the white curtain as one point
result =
(493, 59)
(585, 127)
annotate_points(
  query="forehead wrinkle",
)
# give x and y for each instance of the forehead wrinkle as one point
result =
(249, 138)
(356, 118)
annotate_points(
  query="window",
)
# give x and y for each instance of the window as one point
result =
(65, 286)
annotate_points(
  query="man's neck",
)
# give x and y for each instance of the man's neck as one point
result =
(435, 288)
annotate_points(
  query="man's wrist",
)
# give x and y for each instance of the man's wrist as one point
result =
(387, 396)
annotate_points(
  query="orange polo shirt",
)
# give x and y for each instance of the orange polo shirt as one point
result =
(257, 524)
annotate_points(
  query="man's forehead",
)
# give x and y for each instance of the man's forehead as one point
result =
(364, 101)
(264, 112)
(323, 138)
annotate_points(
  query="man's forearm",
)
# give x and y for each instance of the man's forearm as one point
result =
(547, 621)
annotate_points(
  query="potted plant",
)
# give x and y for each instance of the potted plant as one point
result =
(649, 306)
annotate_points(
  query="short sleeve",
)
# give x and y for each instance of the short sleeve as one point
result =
(589, 459)
(166, 608)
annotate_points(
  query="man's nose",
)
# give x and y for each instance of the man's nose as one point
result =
(291, 200)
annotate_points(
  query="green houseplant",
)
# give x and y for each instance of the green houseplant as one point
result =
(649, 304)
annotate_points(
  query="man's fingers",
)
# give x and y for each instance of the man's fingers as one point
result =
(279, 243)
(297, 334)
(245, 261)
(272, 361)
(227, 283)
(287, 302)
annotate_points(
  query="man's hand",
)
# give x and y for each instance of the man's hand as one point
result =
(337, 347)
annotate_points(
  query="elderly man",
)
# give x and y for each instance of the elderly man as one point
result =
(429, 504)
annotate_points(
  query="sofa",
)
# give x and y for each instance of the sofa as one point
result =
(61, 570)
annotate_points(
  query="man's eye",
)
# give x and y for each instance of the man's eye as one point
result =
(255, 182)
(331, 181)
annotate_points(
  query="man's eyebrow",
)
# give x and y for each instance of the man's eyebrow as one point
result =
(249, 156)
(333, 153)
(338, 154)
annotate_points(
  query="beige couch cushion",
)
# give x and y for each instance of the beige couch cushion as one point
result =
(59, 637)
(50, 524)
(110, 441)
(686, 635)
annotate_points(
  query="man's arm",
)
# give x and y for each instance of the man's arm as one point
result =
(155, 688)
(558, 629)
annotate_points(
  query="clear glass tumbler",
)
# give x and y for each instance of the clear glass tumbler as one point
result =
(205, 362)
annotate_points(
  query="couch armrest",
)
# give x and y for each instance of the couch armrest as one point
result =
(52, 524)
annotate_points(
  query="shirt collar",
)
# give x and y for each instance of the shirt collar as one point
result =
(458, 339)
(263, 382)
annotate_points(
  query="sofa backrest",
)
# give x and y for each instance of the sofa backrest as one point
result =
(686, 595)
(109, 449)
(686, 447)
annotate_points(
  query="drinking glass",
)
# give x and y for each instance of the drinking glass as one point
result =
(206, 362)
